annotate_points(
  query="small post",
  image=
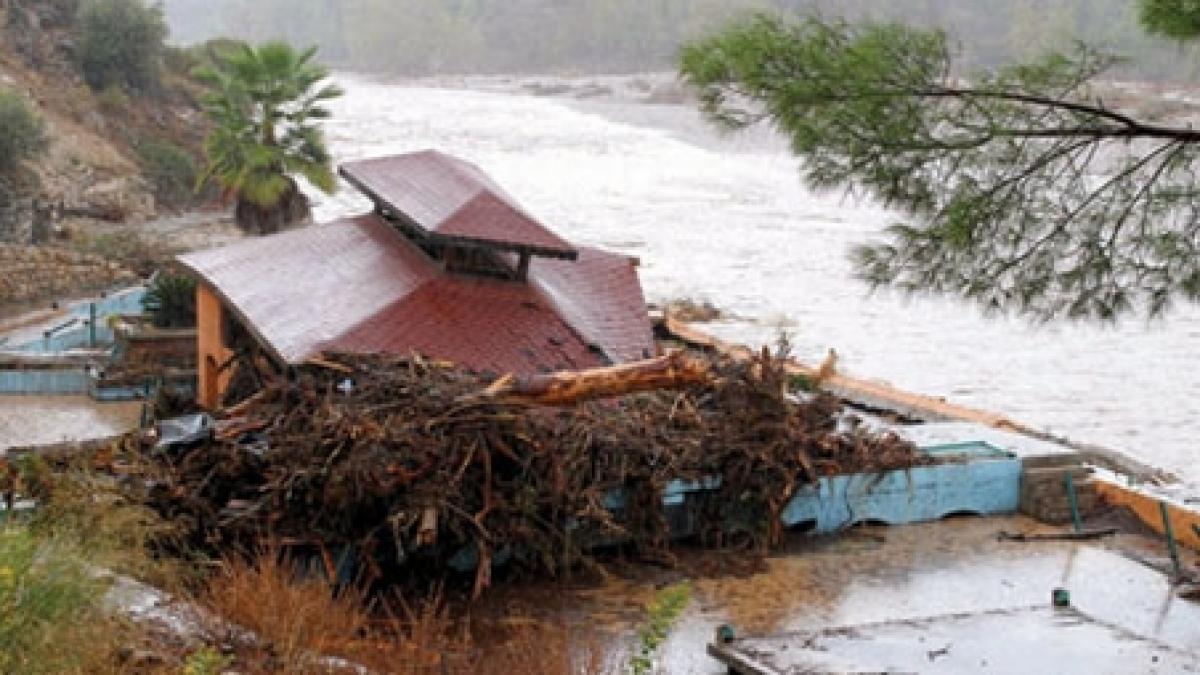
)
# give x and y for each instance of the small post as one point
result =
(1170, 533)
(523, 266)
(1073, 500)
(92, 324)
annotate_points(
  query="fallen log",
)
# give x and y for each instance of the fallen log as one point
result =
(674, 371)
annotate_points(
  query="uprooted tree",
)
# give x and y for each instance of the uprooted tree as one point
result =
(1022, 190)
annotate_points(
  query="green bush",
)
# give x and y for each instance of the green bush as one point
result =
(50, 618)
(171, 301)
(121, 42)
(113, 100)
(170, 169)
(21, 132)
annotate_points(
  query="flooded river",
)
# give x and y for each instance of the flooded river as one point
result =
(727, 220)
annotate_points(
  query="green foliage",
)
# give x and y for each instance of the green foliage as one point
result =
(1176, 19)
(54, 563)
(22, 133)
(48, 598)
(171, 301)
(121, 43)
(996, 174)
(170, 169)
(113, 100)
(206, 661)
(661, 615)
(264, 105)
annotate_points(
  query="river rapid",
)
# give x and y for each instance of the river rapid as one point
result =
(726, 219)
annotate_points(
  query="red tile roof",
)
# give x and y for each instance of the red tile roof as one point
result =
(451, 198)
(359, 285)
(303, 288)
(487, 325)
(599, 294)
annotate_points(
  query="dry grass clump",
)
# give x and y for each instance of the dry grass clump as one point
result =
(302, 622)
(542, 648)
(296, 615)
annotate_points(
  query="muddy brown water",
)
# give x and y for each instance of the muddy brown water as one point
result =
(41, 420)
(864, 576)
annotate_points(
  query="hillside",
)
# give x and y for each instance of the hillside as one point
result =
(112, 188)
(94, 167)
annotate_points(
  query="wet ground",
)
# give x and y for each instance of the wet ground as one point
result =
(40, 420)
(885, 574)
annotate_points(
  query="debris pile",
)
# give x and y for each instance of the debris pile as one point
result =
(404, 464)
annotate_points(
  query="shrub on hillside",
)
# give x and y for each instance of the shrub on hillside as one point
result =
(170, 169)
(121, 42)
(21, 131)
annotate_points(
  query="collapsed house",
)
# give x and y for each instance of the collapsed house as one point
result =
(448, 265)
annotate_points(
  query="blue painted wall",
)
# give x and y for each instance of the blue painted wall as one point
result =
(77, 334)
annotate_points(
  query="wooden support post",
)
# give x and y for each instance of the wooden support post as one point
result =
(523, 266)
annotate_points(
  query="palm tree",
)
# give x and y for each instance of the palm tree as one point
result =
(263, 104)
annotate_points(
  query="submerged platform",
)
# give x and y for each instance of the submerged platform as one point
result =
(1020, 640)
(961, 584)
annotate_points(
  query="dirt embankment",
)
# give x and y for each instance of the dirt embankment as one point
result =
(92, 189)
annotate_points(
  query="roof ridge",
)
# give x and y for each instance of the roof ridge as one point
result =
(541, 288)
(482, 182)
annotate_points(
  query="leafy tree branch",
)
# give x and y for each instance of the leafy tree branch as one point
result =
(1020, 188)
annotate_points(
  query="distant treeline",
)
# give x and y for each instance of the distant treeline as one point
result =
(417, 37)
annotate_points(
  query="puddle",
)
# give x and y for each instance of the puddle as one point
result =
(42, 420)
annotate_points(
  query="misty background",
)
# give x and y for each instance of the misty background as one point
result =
(432, 37)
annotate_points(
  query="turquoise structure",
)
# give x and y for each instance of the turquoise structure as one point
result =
(973, 477)
(970, 478)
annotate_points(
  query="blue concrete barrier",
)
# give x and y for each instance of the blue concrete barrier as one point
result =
(975, 478)
(43, 381)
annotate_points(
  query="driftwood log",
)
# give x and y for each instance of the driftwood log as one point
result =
(674, 371)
